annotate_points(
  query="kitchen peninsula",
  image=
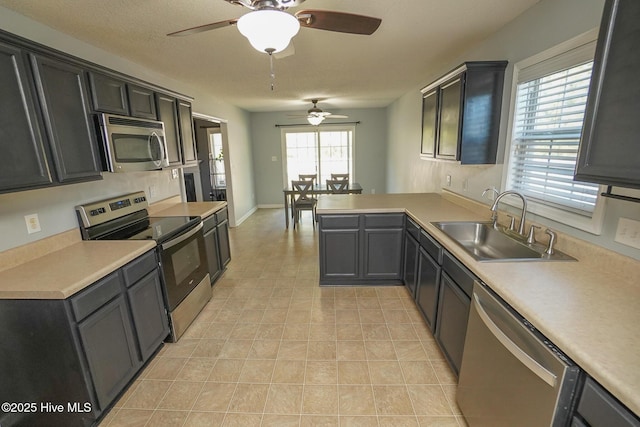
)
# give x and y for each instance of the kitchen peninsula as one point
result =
(586, 308)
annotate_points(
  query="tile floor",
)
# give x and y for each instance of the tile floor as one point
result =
(272, 348)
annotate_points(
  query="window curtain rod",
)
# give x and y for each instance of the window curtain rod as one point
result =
(320, 125)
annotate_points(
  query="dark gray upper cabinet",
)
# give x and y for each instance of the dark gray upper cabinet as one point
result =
(62, 89)
(461, 113)
(22, 151)
(142, 103)
(609, 147)
(189, 154)
(109, 95)
(167, 109)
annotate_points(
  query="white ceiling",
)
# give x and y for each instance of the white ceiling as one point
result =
(344, 70)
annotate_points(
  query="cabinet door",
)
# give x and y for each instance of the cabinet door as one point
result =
(428, 286)
(149, 315)
(429, 123)
(450, 109)
(609, 148)
(410, 263)
(223, 239)
(142, 102)
(109, 95)
(451, 326)
(189, 154)
(339, 251)
(22, 159)
(211, 245)
(63, 95)
(167, 110)
(108, 342)
(382, 254)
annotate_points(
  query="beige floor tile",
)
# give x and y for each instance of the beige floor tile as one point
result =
(320, 399)
(235, 349)
(163, 418)
(349, 331)
(321, 372)
(386, 372)
(257, 371)
(147, 395)
(402, 332)
(218, 331)
(450, 393)
(182, 348)
(181, 395)
(375, 331)
(429, 400)
(208, 348)
(292, 350)
(380, 350)
(296, 331)
(131, 418)
(244, 331)
(353, 372)
(289, 371)
(319, 421)
(409, 350)
(241, 420)
(275, 315)
(284, 399)
(350, 350)
(226, 370)
(398, 421)
(437, 421)
(264, 349)
(419, 372)
(371, 315)
(392, 400)
(196, 369)
(358, 421)
(249, 398)
(167, 368)
(278, 420)
(321, 350)
(322, 332)
(443, 372)
(356, 400)
(214, 397)
(204, 419)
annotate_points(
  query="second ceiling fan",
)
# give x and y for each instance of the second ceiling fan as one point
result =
(270, 28)
(315, 115)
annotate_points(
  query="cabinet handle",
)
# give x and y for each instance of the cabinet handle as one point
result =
(517, 352)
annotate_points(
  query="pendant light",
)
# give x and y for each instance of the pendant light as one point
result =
(315, 120)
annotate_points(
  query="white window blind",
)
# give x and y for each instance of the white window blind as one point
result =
(548, 120)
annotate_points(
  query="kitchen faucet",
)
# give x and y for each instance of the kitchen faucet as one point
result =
(494, 208)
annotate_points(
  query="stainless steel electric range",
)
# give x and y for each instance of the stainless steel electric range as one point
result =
(180, 250)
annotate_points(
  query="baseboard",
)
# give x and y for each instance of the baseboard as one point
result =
(270, 206)
(245, 216)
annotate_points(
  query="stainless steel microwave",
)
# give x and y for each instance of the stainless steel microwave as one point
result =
(133, 145)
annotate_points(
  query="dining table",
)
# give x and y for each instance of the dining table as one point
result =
(289, 194)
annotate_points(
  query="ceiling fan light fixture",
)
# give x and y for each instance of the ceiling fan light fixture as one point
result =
(268, 30)
(315, 120)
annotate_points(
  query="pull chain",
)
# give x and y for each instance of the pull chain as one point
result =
(272, 73)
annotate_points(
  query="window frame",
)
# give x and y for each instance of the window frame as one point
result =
(591, 224)
(317, 130)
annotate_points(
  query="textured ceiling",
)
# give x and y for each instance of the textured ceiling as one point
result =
(347, 71)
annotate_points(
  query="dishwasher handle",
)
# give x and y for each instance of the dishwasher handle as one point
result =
(544, 374)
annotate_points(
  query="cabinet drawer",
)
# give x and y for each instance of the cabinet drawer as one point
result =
(413, 228)
(95, 296)
(139, 267)
(383, 220)
(430, 245)
(209, 223)
(222, 215)
(459, 273)
(330, 222)
(600, 409)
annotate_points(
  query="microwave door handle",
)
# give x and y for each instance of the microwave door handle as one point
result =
(156, 139)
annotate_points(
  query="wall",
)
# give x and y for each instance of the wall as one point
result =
(369, 151)
(543, 26)
(55, 205)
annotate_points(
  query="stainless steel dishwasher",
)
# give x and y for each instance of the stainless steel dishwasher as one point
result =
(511, 375)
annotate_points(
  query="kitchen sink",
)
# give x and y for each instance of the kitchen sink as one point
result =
(485, 243)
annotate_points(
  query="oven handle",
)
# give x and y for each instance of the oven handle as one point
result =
(539, 370)
(181, 238)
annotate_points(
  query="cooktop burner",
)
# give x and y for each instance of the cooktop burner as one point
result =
(159, 229)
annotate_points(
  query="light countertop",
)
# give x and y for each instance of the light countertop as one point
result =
(202, 209)
(588, 308)
(62, 273)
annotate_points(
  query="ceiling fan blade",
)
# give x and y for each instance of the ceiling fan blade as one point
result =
(203, 28)
(337, 116)
(338, 21)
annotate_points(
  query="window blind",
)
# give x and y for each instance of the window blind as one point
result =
(546, 133)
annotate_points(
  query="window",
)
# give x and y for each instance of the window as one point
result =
(322, 151)
(550, 102)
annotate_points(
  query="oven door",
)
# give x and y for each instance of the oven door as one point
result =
(184, 264)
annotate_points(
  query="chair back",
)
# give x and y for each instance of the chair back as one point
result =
(340, 176)
(308, 177)
(337, 186)
(301, 189)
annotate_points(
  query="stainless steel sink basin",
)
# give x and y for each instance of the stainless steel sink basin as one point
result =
(485, 243)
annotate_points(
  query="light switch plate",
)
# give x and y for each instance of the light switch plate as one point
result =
(628, 232)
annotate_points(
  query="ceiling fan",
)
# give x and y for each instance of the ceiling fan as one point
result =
(315, 115)
(270, 28)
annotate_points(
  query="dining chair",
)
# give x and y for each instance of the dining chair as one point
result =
(308, 177)
(340, 176)
(338, 186)
(302, 201)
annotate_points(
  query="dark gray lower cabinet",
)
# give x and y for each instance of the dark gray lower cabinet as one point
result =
(454, 301)
(410, 274)
(224, 248)
(598, 408)
(428, 287)
(82, 351)
(211, 245)
(358, 249)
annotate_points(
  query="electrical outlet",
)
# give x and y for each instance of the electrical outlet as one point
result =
(448, 180)
(628, 232)
(373, 191)
(274, 158)
(153, 191)
(465, 185)
(174, 173)
(33, 223)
